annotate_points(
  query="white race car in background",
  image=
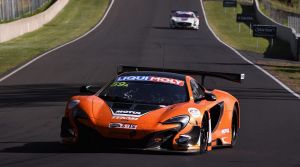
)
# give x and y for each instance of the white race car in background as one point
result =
(184, 19)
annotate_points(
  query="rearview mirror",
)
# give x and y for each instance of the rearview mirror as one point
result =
(86, 89)
(210, 97)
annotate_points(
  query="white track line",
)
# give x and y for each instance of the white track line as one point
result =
(103, 18)
(52, 50)
(247, 60)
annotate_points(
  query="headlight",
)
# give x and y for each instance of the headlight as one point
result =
(183, 120)
(73, 104)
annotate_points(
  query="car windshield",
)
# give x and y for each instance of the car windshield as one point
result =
(166, 91)
(184, 15)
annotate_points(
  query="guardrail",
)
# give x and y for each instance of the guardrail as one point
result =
(17, 28)
(283, 32)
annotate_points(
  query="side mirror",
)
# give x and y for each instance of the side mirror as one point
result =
(198, 99)
(210, 96)
(86, 89)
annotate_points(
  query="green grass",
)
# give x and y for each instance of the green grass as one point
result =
(75, 19)
(287, 72)
(223, 22)
(282, 5)
(225, 26)
(283, 20)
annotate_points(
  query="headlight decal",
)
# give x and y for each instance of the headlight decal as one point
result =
(78, 113)
(72, 104)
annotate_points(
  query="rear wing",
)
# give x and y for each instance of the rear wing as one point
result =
(235, 77)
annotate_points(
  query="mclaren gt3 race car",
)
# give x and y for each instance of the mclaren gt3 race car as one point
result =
(143, 108)
(184, 19)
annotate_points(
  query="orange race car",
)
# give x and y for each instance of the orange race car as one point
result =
(154, 109)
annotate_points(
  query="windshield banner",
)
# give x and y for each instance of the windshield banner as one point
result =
(151, 79)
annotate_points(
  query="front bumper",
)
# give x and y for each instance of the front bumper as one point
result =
(157, 141)
(183, 25)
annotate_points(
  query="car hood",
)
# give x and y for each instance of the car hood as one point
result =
(141, 118)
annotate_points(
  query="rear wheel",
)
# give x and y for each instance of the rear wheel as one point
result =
(204, 134)
(234, 127)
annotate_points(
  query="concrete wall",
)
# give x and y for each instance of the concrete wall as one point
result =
(283, 32)
(17, 28)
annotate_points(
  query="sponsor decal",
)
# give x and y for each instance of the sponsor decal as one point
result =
(128, 112)
(194, 112)
(122, 126)
(125, 118)
(224, 131)
(151, 79)
(119, 84)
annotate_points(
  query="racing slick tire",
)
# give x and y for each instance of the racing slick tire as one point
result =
(234, 128)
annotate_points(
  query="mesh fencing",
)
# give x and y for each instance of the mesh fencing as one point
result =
(286, 18)
(294, 22)
(14, 9)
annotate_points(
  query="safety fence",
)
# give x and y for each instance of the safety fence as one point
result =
(14, 9)
(294, 22)
(286, 18)
(284, 32)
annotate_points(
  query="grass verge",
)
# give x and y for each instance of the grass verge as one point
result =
(67, 25)
(223, 22)
(227, 29)
(287, 72)
(282, 5)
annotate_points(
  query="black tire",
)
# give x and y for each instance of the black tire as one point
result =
(204, 134)
(234, 128)
(84, 139)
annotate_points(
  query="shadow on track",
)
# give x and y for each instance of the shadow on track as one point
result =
(36, 95)
(261, 93)
(169, 28)
(56, 147)
(46, 94)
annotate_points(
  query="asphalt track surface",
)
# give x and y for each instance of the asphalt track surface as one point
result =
(136, 32)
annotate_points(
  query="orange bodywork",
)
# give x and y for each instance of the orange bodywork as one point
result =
(100, 117)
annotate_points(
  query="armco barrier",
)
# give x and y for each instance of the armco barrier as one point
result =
(17, 28)
(283, 32)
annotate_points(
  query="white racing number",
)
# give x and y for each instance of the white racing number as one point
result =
(122, 126)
